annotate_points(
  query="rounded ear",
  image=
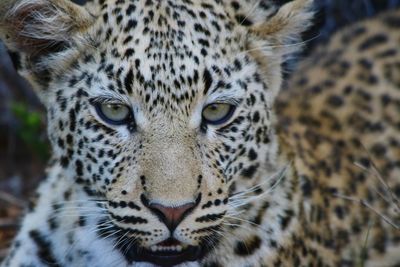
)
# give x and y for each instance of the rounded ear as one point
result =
(272, 41)
(286, 26)
(41, 27)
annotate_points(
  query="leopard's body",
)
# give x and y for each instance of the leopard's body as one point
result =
(296, 189)
(341, 118)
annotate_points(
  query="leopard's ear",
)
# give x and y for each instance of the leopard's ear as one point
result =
(39, 28)
(272, 41)
(286, 26)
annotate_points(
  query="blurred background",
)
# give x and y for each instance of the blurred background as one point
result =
(24, 149)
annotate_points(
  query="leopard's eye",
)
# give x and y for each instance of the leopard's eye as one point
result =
(115, 114)
(217, 113)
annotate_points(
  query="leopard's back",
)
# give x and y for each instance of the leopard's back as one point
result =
(341, 116)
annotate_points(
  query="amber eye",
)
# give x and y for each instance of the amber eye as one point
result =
(115, 114)
(217, 113)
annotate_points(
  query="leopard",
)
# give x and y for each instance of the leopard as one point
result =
(177, 141)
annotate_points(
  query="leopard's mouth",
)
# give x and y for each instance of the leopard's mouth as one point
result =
(167, 253)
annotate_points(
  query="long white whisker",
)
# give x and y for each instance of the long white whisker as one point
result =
(369, 206)
(250, 12)
(256, 187)
(235, 204)
(281, 45)
(247, 221)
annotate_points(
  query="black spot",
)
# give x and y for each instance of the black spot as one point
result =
(131, 8)
(210, 217)
(256, 116)
(204, 42)
(396, 190)
(365, 63)
(69, 139)
(387, 53)
(207, 205)
(378, 150)
(285, 220)
(129, 219)
(132, 205)
(340, 212)
(131, 25)
(235, 5)
(128, 82)
(252, 154)
(248, 247)
(242, 20)
(393, 22)
(373, 41)
(212, 264)
(249, 172)
(354, 33)
(365, 162)
(64, 161)
(129, 53)
(238, 65)
(81, 221)
(306, 186)
(72, 120)
(207, 81)
(79, 167)
(43, 249)
(53, 224)
(335, 101)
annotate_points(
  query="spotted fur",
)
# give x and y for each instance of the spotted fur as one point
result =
(340, 120)
(260, 197)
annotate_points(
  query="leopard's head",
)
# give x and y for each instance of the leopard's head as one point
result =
(161, 108)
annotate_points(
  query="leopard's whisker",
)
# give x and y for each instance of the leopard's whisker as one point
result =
(369, 206)
(278, 174)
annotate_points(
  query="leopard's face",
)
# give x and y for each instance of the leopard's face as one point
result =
(166, 115)
(173, 121)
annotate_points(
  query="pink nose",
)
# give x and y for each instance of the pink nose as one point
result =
(171, 216)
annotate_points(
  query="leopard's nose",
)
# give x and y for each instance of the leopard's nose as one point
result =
(170, 216)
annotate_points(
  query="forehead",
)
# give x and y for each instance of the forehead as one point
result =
(174, 20)
(160, 32)
(160, 47)
(178, 30)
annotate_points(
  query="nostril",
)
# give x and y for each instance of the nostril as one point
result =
(171, 216)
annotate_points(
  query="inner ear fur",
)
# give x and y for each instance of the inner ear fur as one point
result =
(41, 27)
(286, 26)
